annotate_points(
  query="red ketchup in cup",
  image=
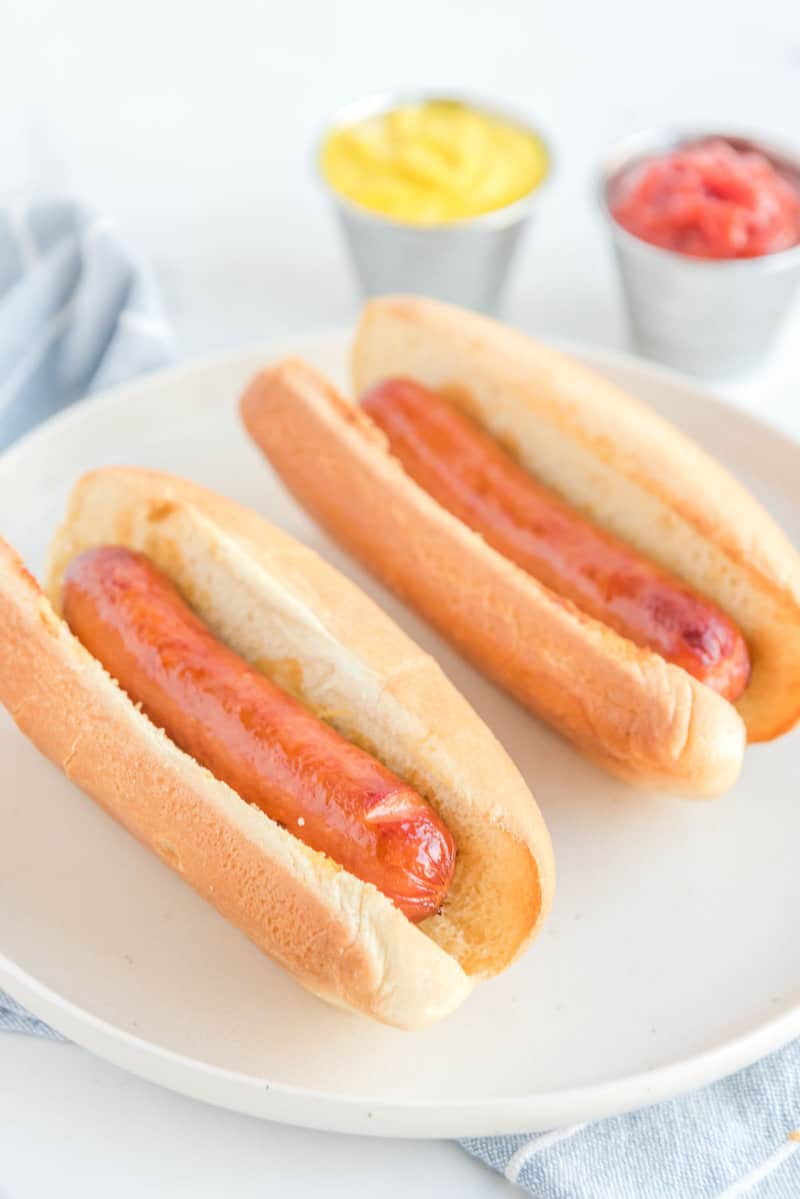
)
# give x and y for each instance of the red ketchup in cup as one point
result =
(710, 200)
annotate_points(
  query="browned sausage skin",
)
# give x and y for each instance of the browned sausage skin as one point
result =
(472, 476)
(254, 736)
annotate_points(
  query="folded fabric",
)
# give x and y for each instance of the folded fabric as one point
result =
(738, 1137)
(78, 312)
(14, 1018)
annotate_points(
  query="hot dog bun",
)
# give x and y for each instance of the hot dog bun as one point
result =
(316, 634)
(615, 460)
(640, 717)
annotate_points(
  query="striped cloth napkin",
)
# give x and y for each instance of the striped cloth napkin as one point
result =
(738, 1137)
(77, 314)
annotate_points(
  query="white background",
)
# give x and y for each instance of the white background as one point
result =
(193, 125)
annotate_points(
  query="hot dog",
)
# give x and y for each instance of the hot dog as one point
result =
(662, 687)
(260, 741)
(472, 476)
(255, 720)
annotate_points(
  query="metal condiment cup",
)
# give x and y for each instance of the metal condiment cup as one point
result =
(463, 261)
(712, 317)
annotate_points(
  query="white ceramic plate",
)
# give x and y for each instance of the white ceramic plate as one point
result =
(671, 956)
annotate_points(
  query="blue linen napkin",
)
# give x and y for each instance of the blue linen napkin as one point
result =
(78, 313)
(738, 1137)
(14, 1018)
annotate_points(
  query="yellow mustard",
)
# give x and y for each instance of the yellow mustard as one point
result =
(431, 163)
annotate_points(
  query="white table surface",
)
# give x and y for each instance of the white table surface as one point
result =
(192, 125)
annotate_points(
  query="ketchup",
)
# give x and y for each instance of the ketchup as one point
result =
(710, 200)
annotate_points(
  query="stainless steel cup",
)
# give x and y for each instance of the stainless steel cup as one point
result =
(712, 317)
(465, 262)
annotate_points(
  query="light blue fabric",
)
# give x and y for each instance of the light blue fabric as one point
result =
(77, 314)
(698, 1147)
(14, 1018)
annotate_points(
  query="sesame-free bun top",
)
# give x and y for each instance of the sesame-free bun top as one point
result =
(635, 714)
(617, 462)
(316, 634)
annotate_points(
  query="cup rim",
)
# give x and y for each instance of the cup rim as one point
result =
(647, 142)
(377, 102)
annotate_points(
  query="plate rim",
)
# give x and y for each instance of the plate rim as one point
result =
(363, 1115)
(326, 1110)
